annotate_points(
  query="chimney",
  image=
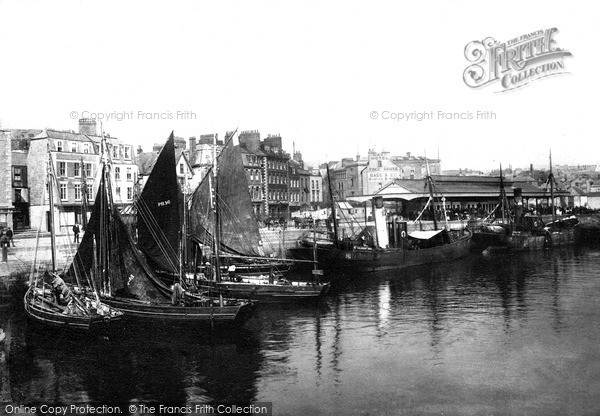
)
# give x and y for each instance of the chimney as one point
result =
(139, 149)
(250, 140)
(87, 126)
(192, 153)
(408, 155)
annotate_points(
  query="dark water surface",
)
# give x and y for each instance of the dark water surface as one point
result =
(509, 334)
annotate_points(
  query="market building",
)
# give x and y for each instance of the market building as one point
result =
(475, 196)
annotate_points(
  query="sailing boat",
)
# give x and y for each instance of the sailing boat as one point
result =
(128, 282)
(561, 231)
(523, 232)
(388, 245)
(50, 301)
(527, 231)
(222, 220)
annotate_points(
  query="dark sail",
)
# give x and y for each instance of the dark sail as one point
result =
(159, 212)
(120, 268)
(239, 228)
(83, 262)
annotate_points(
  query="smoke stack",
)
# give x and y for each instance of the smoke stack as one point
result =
(518, 193)
(87, 126)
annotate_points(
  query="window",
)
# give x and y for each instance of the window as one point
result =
(129, 193)
(129, 177)
(89, 189)
(86, 148)
(77, 192)
(63, 191)
(62, 169)
(16, 174)
(379, 163)
(118, 190)
(74, 147)
(88, 170)
(181, 168)
(117, 173)
(127, 151)
(76, 170)
(59, 146)
(115, 152)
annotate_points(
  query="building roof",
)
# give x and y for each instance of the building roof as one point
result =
(576, 191)
(145, 162)
(247, 151)
(20, 138)
(181, 153)
(457, 186)
(527, 178)
(63, 135)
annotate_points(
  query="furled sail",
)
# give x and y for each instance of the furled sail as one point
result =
(159, 212)
(239, 227)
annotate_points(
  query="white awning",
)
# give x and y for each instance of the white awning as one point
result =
(424, 235)
(344, 205)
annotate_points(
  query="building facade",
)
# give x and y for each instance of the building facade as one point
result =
(267, 169)
(200, 154)
(316, 189)
(382, 168)
(299, 184)
(74, 160)
(6, 206)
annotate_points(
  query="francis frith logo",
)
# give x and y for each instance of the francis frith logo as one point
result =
(515, 63)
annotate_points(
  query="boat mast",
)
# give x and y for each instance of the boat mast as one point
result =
(333, 213)
(105, 231)
(51, 211)
(430, 182)
(314, 247)
(217, 225)
(551, 179)
(502, 195)
(84, 197)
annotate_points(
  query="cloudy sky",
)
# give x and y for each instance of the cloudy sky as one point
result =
(313, 72)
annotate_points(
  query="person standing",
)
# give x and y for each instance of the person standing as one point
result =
(231, 270)
(9, 235)
(76, 233)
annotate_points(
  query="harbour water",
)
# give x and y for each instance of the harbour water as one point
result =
(506, 334)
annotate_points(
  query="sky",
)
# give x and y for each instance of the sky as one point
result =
(313, 72)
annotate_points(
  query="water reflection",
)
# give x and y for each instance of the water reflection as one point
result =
(142, 364)
(475, 336)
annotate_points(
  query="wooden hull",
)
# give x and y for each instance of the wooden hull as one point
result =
(564, 237)
(274, 292)
(256, 268)
(517, 240)
(44, 312)
(486, 239)
(386, 259)
(525, 241)
(166, 312)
